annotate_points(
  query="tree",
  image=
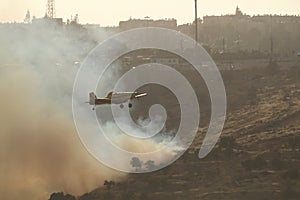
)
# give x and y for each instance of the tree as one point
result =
(61, 196)
(135, 162)
(150, 164)
(27, 17)
(109, 184)
(75, 20)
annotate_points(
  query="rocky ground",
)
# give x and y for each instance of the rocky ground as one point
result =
(257, 157)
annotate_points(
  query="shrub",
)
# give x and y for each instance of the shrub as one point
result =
(276, 163)
(257, 163)
(291, 174)
(227, 142)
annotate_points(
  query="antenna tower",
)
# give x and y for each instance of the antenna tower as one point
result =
(50, 11)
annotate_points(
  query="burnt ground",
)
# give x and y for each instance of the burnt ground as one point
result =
(257, 156)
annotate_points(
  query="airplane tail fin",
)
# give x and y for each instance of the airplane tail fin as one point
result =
(109, 95)
(93, 98)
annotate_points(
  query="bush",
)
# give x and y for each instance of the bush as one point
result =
(227, 142)
(288, 192)
(294, 141)
(257, 163)
(61, 196)
(108, 195)
(276, 163)
(292, 174)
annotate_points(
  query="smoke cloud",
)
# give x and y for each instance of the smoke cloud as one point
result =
(40, 151)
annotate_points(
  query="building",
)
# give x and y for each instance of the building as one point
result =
(141, 23)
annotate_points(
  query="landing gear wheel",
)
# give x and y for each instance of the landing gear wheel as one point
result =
(130, 105)
(121, 106)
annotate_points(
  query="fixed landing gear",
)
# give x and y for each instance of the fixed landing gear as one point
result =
(129, 105)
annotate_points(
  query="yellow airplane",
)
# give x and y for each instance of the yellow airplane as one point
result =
(115, 98)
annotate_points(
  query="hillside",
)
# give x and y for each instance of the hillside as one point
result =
(257, 157)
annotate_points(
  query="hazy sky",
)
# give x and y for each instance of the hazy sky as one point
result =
(110, 12)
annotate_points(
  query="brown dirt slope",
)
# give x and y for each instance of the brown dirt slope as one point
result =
(257, 156)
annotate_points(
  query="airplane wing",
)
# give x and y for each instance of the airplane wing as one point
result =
(140, 95)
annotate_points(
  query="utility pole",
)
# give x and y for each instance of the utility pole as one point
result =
(223, 44)
(196, 22)
(271, 41)
(273, 60)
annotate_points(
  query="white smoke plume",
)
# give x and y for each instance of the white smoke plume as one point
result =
(40, 151)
